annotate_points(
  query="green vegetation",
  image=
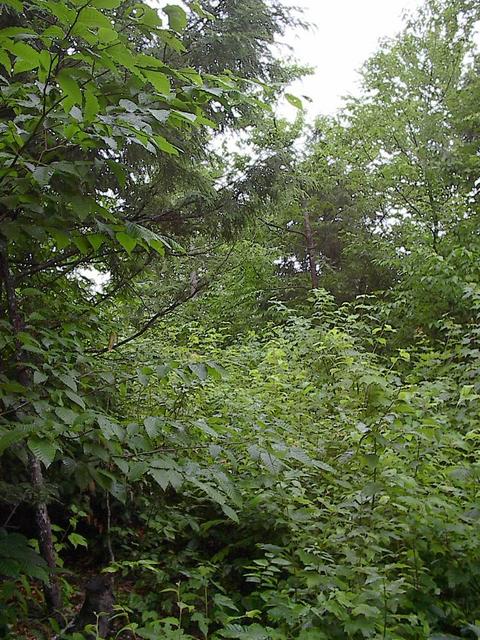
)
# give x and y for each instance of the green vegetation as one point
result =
(240, 355)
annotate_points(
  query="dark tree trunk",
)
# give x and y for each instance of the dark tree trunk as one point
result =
(311, 250)
(96, 610)
(193, 282)
(45, 539)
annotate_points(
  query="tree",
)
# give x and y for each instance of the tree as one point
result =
(83, 87)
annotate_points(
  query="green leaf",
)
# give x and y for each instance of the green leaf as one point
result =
(82, 244)
(149, 17)
(210, 491)
(137, 470)
(91, 107)
(271, 462)
(42, 174)
(5, 61)
(61, 239)
(69, 88)
(118, 171)
(75, 398)
(107, 35)
(127, 242)
(39, 377)
(63, 13)
(96, 240)
(161, 477)
(120, 54)
(42, 449)
(45, 59)
(177, 18)
(106, 4)
(199, 369)
(230, 513)
(157, 246)
(159, 81)
(195, 6)
(13, 436)
(225, 601)
(110, 429)
(294, 101)
(165, 146)
(77, 540)
(66, 415)
(152, 425)
(91, 17)
(372, 460)
(164, 477)
(27, 57)
(68, 380)
(366, 610)
(16, 4)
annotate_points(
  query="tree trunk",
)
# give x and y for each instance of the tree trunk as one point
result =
(193, 282)
(42, 518)
(311, 250)
(97, 609)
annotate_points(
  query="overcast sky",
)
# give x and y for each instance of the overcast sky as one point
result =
(346, 32)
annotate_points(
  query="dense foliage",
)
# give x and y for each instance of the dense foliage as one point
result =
(240, 355)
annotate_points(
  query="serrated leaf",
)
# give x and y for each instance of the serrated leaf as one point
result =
(230, 513)
(161, 477)
(161, 115)
(42, 174)
(152, 424)
(74, 397)
(366, 610)
(66, 415)
(224, 601)
(27, 57)
(137, 470)
(210, 491)
(69, 381)
(77, 540)
(273, 464)
(39, 377)
(12, 437)
(110, 429)
(199, 369)
(159, 80)
(42, 449)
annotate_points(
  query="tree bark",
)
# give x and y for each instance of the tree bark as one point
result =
(311, 250)
(193, 282)
(97, 609)
(22, 374)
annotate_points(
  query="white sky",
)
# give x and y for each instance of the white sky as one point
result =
(346, 34)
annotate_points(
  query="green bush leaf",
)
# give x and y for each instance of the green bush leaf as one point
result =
(177, 18)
